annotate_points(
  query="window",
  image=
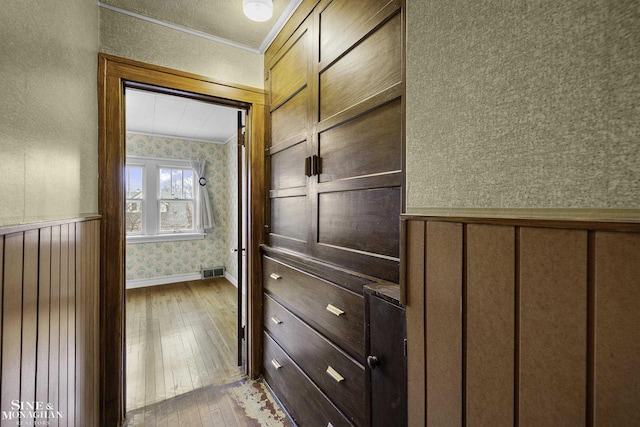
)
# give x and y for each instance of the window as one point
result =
(161, 200)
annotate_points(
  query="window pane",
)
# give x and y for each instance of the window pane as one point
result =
(133, 217)
(176, 178)
(188, 184)
(133, 182)
(165, 183)
(176, 216)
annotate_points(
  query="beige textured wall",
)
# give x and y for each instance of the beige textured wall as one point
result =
(523, 104)
(48, 110)
(132, 38)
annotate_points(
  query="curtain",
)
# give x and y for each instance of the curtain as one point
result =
(205, 219)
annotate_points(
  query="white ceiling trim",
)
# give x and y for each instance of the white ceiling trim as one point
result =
(288, 11)
(182, 29)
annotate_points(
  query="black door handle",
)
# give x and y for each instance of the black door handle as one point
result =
(373, 361)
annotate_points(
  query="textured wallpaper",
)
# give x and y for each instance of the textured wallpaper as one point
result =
(523, 104)
(232, 211)
(48, 110)
(159, 259)
(128, 37)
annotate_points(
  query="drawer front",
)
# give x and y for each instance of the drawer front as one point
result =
(332, 310)
(340, 377)
(302, 399)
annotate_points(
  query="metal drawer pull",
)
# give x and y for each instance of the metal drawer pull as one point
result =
(334, 374)
(274, 276)
(275, 320)
(334, 310)
(275, 364)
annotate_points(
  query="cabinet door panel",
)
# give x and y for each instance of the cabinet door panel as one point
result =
(367, 145)
(388, 380)
(290, 72)
(365, 220)
(289, 217)
(343, 22)
(371, 67)
(287, 167)
(289, 121)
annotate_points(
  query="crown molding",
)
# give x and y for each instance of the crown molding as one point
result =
(284, 17)
(180, 28)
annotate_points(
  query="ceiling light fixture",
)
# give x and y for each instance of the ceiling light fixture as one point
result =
(258, 10)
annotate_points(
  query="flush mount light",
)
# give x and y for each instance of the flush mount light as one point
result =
(258, 10)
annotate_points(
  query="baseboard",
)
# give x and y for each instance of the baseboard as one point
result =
(164, 280)
(231, 279)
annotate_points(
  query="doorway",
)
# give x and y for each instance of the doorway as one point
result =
(114, 75)
(185, 225)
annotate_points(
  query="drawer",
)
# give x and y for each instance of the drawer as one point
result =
(339, 376)
(306, 404)
(332, 310)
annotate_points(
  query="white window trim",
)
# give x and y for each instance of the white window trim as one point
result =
(151, 166)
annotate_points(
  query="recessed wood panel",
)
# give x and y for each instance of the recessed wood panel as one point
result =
(416, 369)
(553, 327)
(342, 22)
(290, 72)
(370, 144)
(49, 345)
(371, 67)
(11, 319)
(617, 329)
(290, 217)
(44, 296)
(490, 325)
(29, 316)
(289, 121)
(287, 167)
(364, 220)
(443, 293)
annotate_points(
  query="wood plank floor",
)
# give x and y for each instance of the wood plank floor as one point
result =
(181, 360)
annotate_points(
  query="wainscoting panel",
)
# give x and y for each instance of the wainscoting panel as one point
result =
(49, 321)
(522, 322)
(490, 301)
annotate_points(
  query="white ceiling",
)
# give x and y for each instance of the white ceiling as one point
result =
(172, 116)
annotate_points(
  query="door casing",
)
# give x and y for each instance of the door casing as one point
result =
(114, 74)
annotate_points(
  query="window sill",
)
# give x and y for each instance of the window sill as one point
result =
(165, 238)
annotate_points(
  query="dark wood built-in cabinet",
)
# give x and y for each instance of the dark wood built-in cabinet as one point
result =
(335, 170)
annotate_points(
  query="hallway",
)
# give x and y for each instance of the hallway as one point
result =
(181, 360)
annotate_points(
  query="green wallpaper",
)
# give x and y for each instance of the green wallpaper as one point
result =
(48, 110)
(128, 37)
(520, 104)
(159, 259)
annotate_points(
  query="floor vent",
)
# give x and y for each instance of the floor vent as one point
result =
(212, 272)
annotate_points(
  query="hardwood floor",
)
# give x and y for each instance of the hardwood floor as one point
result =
(181, 360)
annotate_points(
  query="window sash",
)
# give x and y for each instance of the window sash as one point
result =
(151, 200)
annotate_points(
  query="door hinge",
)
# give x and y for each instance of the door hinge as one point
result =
(242, 335)
(405, 347)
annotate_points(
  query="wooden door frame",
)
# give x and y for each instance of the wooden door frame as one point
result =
(114, 73)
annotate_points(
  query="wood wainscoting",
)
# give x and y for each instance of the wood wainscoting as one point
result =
(522, 322)
(49, 281)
